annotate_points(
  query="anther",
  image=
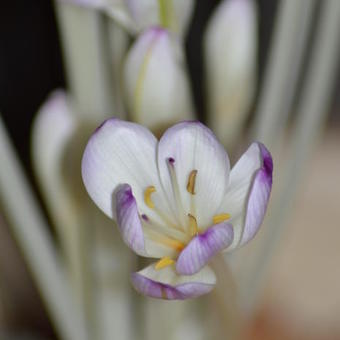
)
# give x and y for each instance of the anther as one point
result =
(220, 218)
(147, 196)
(164, 262)
(145, 218)
(193, 228)
(191, 182)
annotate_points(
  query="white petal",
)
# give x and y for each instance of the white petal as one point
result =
(167, 284)
(244, 177)
(230, 59)
(193, 146)
(117, 153)
(155, 80)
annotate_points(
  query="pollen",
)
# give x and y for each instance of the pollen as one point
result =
(174, 244)
(193, 228)
(220, 218)
(147, 196)
(191, 182)
(164, 262)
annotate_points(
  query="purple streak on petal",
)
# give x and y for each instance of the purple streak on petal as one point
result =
(267, 160)
(128, 220)
(203, 247)
(159, 290)
(258, 196)
(111, 120)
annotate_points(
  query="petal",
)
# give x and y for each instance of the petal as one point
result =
(137, 233)
(248, 192)
(128, 219)
(155, 81)
(192, 146)
(203, 247)
(119, 152)
(167, 284)
(230, 45)
(258, 197)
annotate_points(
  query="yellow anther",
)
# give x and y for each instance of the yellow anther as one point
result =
(191, 182)
(220, 218)
(164, 262)
(172, 243)
(193, 228)
(147, 196)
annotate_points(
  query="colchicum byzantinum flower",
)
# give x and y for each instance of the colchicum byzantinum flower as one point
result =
(176, 199)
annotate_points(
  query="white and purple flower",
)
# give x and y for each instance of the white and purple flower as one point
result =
(176, 199)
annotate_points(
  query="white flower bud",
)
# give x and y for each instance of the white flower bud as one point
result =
(230, 59)
(155, 80)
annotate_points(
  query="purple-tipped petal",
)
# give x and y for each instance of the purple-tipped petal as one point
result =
(248, 193)
(167, 284)
(128, 219)
(203, 247)
(258, 197)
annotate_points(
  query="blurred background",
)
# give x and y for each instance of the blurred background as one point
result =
(301, 299)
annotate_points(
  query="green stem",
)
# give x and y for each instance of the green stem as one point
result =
(165, 12)
(31, 232)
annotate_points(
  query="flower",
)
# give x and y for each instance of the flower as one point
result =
(155, 81)
(176, 199)
(230, 45)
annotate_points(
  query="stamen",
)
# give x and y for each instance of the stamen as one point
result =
(147, 196)
(191, 182)
(148, 201)
(164, 262)
(193, 228)
(170, 242)
(145, 218)
(175, 244)
(220, 218)
(175, 187)
(174, 233)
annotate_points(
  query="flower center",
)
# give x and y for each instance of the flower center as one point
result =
(175, 236)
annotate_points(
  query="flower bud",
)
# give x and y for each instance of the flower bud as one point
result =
(230, 44)
(155, 80)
